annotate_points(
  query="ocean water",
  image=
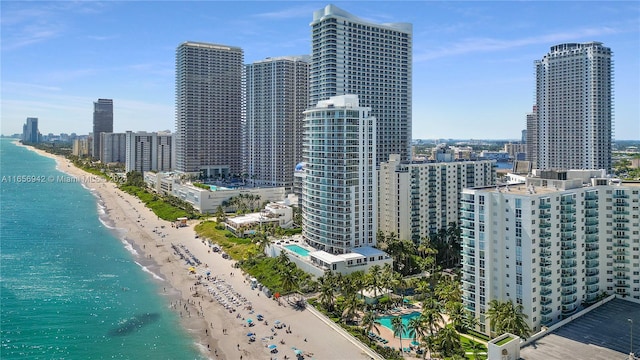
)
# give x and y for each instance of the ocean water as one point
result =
(69, 288)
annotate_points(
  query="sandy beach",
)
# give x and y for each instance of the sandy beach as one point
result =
(215, 307)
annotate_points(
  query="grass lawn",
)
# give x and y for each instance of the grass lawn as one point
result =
(468, 348)
(504, 341)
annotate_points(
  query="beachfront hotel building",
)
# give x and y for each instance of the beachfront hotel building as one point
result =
(339, 199)
(277, 93)
(148, 151)
(574, 103)
(30, 133)
(416, 199)
(102, 123)
(208, 135)
(373, 61)
(553, 243)
(113, 147)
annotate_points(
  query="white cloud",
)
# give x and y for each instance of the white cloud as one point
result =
(474, 45)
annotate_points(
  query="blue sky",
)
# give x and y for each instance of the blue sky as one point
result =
(473, 73)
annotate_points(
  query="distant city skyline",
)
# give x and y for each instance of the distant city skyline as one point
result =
(473, 62)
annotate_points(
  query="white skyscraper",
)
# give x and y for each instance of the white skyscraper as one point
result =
(339, 189)
(208, 109)
(373, 61)
(148, 151)
(277, 93)
(573, 127)
(553, 244)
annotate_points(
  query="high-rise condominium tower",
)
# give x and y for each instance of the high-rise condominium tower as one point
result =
(574, 108)
(30, 133)
(208, 109)
(277, 93)
(102, 123)
(373, 61)
(340, 184)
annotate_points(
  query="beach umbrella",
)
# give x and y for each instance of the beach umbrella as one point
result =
(250, 334)
(249, 321)
(272, 346)
(277, 322)
(297, 351)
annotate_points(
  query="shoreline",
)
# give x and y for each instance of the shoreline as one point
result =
(219, 332)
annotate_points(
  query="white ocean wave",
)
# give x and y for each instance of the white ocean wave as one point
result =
(129, 247)
(145, 269)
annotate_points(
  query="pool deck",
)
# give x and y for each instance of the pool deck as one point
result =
(387, 333)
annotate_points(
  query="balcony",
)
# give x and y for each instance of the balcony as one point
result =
(569, 309)
(545, 224)
(546, 320)
(622, 284)
(592, 289)
(546, 311)
(620, 196)
(592, 272)
(621, 268)
(569, 299)
(545, 301)
(616, 236)
(544, 206)
(620, 244)
(620, 261)
(545, 215)
(545, 243)
(621, 277)
(545, 291)
(591, 238)
(592, 264)
(620, 212)
(569, 291)
(568, 282)
(545, 252)
(545, 272)
(545, 282)
(568, 255)
(620, 220)
(591, 222)
(592, 280)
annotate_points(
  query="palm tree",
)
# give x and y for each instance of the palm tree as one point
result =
(431, 316)
(387, 278)
(351, 307)
(374, 279)
(429, 343)
(416, 328)
(457, 314)
(327, 287)
(448, 341)
(370, 322)
(505, 317)
(399, 328)
(289, 280)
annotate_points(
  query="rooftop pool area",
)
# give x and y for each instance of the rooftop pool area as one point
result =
(297, 249)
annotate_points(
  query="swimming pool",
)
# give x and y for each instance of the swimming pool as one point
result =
(386, 322)
(298, 250)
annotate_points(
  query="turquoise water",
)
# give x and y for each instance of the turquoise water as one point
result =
(298, 250)
(386, 322)
(69, 288)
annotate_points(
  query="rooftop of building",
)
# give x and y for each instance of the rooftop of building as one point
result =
(601, 334)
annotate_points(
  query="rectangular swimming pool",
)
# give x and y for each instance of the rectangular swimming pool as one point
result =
(298, 250)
